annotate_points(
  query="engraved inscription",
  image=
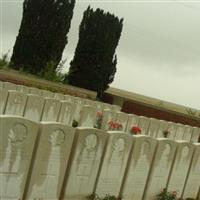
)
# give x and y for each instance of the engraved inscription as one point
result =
(17, 99)
(17, 134)
(57, 138)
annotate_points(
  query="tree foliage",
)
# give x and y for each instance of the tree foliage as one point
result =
(94, 64)
(43, 34)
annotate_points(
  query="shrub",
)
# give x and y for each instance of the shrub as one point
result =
(4, 61)
(165, 195)
(49, 73)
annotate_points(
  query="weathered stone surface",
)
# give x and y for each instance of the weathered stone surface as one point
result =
(108, 116)
(179, 132)
(180, 167)
(87, 116)
(9, 86)
(172, 129)
(162, 128)
(3, 100)
(35, 91)
(133, 120)
(51, 161)
(153, 127)
(114, 164)
(47, 94)
(51, 110)
(116, 108)
(193, 180)
(34, 107)
(122, 118)
(160, 168)
(69, 98)
(107, 106)
(59, 96)
(78, 103)
(16, 103)
(187, 133)
(143, 124)
(89, 102)
(138, 167)
(66, 113)
(1, 85)
(195, 134)
(99, 106)
(88, 150)
(22, 88)
(16, 148)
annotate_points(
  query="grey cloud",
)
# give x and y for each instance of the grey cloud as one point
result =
(158, 54)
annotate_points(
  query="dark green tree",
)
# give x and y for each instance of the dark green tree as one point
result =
(94, 64)
(43, 34)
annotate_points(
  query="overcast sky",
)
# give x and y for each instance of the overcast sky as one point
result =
(159, 50)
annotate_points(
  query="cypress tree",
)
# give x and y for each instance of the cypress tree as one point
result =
(94, 64)
(43, 34)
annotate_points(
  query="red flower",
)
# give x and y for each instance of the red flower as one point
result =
(111, 125)
(136, 130)
(99, 114)
(114, 125)
(118, 126)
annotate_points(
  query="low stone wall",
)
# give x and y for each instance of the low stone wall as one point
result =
(32, 81)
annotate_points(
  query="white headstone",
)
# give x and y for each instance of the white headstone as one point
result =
(3, 100)
(16, 103)
(114, 164)
(51, 110)
(133, 120)
(122, 118)
(9, 86)
(66, 113)
(193, 180)
(69, 98)
(107, 106)
(59, 96)
(99, 106)
(89, 102)
(22, 88)
(50, 162)
(172, 129)
(18, 137)
(180, 132)
(35, 91)
(47, 94)
(162, 128)
(160, 168)
(195, 134)
(116, 108)
(180, 168)
(108, 116)
(78, 102)
(153, 127)
(138, 167)
(143, 124)
(85, 162)
(87, 116)
(34, 107)
(188, 133)
(1, 85)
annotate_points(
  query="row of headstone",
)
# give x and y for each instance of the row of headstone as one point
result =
(150, 126)
(38, 108)
(54, 161)
(58, 96)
